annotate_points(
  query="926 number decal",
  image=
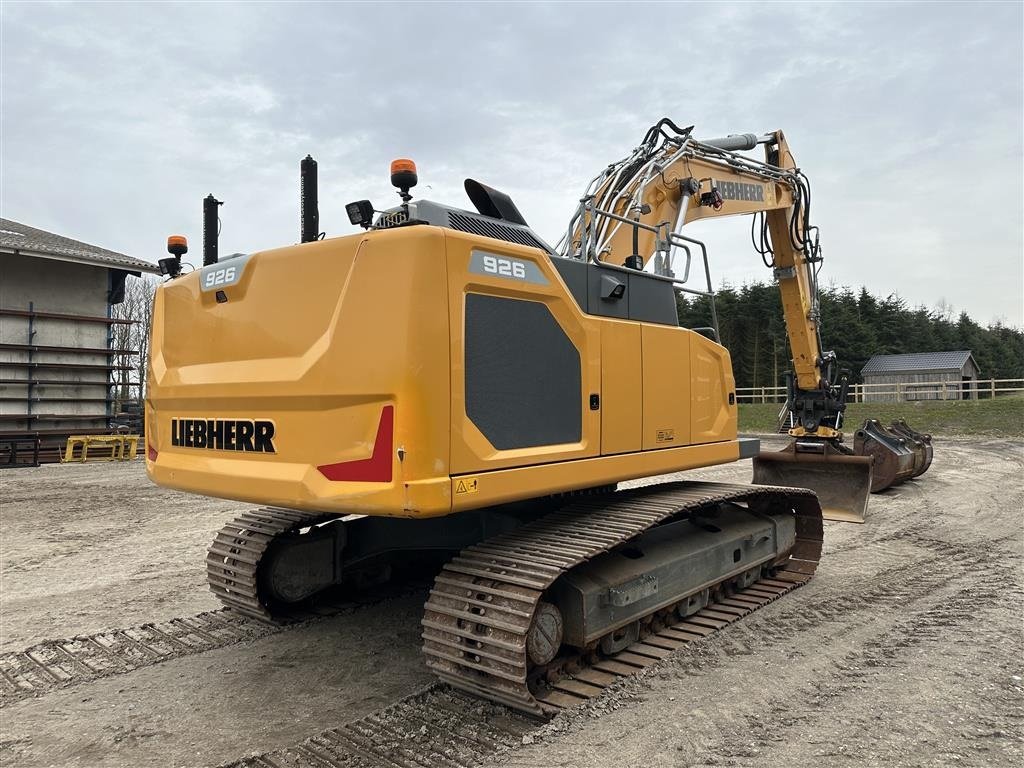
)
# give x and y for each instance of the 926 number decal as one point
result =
(496, 265)
(218, 277)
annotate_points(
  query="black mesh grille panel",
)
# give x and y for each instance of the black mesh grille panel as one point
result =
(493, 229)
(522, 374)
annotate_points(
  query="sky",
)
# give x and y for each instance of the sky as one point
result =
(117, 119)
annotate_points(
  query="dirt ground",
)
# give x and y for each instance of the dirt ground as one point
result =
(906, 649)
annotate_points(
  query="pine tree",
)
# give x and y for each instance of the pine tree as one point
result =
(856, 325)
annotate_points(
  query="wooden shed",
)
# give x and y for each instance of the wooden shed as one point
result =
(921, 376)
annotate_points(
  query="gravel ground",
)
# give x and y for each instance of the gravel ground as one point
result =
(905, 650)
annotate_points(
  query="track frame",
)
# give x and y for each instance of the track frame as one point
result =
(478, 616)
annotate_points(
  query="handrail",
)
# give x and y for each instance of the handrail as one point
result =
(657, 229)
(664, 237)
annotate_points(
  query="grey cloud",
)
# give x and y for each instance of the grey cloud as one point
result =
(907, 117)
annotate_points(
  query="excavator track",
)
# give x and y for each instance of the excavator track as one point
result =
(233, 559)
(481, 609)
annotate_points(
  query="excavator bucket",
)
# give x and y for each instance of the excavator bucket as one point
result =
(841, 481)
(899, 452)
(921, 442)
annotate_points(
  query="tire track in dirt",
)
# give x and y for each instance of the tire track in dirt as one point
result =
(891, 587)
(57, 664)
(438, 727)
(921, 526)
(805, 707)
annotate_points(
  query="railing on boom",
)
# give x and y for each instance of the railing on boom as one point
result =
(587, 213)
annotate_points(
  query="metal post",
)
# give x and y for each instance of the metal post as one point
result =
(30, 377)
(112, 392)
(309, 204)
(211, 229)
(677, 226)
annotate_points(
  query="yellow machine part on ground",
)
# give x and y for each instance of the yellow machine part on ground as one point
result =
(415, 372)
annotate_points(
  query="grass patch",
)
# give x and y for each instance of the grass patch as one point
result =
(998, 417)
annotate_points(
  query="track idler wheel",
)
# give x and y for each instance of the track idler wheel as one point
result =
(544, 637)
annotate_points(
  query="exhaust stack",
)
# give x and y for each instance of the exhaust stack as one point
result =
(211, 227)
(309, 204)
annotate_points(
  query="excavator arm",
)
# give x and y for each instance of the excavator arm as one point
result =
(678, 180)
(634, 213)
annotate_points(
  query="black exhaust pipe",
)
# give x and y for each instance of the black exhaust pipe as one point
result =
(211, 227)
(309, 204)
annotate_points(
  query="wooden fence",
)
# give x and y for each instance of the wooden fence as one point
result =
(899, 392)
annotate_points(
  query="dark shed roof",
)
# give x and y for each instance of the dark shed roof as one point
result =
(22, 239)
(919, 361)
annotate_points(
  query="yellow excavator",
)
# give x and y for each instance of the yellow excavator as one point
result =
(445, 384)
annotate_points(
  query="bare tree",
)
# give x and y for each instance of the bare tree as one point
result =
(146, 288)
(133, 337)
(944, 310)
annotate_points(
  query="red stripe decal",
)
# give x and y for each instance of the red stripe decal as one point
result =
(377, 468)
(151, 452)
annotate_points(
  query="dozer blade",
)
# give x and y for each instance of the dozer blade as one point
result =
(842, 482)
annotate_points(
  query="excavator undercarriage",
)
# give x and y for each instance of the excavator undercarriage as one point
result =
(526, 615)
(590, 581)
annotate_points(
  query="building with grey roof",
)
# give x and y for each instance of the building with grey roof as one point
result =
(57, 361)
(921, 376)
